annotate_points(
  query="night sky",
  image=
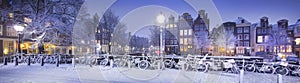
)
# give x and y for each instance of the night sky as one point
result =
(252, 10)
(139, 13)
(229, 10)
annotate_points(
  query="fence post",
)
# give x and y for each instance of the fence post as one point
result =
(111, 63)
(73, 62)
(16, 60)
(129, 64)
(28, 61)
(57, 61)
(42, 63)
(241, 80)
(279, 78)
(5, 60)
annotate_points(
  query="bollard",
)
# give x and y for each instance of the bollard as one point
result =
(129, 64)
(28, 61)
(111, 63)
(5, 60)
(158, 66)
(57, 61)
(241, 80)
(16, 60)
(42, 63)
(73, 62)
(279, 78)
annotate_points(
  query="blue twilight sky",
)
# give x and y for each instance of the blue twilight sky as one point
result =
(255, 9)
(229, 10)
(140, 13)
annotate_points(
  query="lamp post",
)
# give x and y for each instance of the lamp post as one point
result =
(161, 19)
(19, 29)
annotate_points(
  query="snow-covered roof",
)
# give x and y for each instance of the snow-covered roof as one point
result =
(254, 25)
(240, 20)
(298, 22)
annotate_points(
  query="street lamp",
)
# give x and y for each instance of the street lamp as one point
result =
(161, 19)
(19, 29)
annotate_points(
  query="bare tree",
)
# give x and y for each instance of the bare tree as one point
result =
(44, 18)
(278, 37)
(226, 39)
(120, 38)
(202, 41)
(155, 35)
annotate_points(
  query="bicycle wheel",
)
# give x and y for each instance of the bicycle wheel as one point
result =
(104, 62)
(235, 69)
(93, 62)
(281, 70)
(143, 65)
(201, 68)
(158, 64)
(119, 63)
(249, 68)
(268, 69)
(168, 63)
(298, 72)
(187, 66)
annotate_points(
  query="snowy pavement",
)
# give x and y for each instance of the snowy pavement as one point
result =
(96, 74)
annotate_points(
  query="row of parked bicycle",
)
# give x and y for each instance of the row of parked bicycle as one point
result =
(188, 63)
(39, 58)
(191, 63)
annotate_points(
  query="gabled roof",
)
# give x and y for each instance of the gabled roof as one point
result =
(240, 20)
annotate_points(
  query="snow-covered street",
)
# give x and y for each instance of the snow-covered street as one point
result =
(86, 74)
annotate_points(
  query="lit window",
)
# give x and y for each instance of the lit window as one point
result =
(181, 32)
(181, 48)
(260, 48)
(259, 39)
(11, 16)
(190, 32)
(289, 40)
(266, 38)
(297, 41)
(240, 50)
(181, 41)
(275, 48)
(185, 41)
(27, 20)
(190, 40)
(185, 32)
(190, 46)
(10, 31)
(185, 48)
(282, 48)
(288, 48)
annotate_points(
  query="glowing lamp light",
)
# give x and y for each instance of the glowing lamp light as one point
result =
(18, 28)
(5, 51)
(160, 18)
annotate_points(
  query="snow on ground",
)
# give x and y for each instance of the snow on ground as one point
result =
(49, 73)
